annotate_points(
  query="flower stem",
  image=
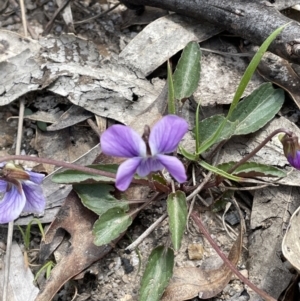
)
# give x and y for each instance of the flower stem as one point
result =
(59, 163)
(66, 165)
(261, 145)
(202, 228)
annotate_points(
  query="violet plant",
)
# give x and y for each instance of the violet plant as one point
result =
(148, 156)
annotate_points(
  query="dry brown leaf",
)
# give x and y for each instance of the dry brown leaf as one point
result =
(188, 283)
(20, 286)
(67, 144)
(78, 221)
(72, 116)
(291, 243)
(75, 219)
(279, 71)
(163, 38)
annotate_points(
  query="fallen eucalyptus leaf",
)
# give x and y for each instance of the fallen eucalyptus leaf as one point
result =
(290, 242)
(167, 36)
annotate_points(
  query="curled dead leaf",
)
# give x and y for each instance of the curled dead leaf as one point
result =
(188, 283)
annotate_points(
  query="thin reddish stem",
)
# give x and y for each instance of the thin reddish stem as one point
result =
(66, 165)
(261, 145)
(202, 228)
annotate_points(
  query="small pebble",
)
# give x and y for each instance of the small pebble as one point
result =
(195, 251)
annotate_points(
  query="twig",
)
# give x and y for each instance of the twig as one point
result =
(202, 228)
(93, 126)
(98, 15)
(200, 187)
(132, 246)
(51, 22)
(24, 22)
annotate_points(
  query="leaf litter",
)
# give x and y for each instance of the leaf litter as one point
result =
(66, 77)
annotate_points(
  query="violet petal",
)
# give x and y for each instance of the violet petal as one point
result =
(126, 172)
(12, 205)
(3, 185)
(149, 165)
(36, 177)
(294, 161)
(174, 167)
(166, 134)
(122, 141)
(35, 200)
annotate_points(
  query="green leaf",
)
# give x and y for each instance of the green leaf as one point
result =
(98, 197)
(187, 73)
(250, 115)
(177, 211)
(157, 274)
(257, 109)
(253, 169)
(242, 86)
(187, 155)
(79, 177)
(219, 171)
(197, 135)
(208, 127)
(110, 225)
(42, 126)
(252, 67)
(171, 96)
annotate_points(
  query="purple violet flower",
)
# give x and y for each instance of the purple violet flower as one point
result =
(20, 191)
(291, 149)
(146, 155)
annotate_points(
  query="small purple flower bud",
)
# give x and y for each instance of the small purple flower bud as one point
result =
(291, 149)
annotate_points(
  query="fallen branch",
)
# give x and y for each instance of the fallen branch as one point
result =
(253, 21)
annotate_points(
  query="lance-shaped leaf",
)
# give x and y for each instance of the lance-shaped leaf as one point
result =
(257, 109)
(157, 274)
(250, 115)
(241, 88)
(171, 96)
(98, 197)
(177, 211)
(208, 127)
(253, 169)
(219, 171)
(110, 225)
(187, 73)
(74, 176)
